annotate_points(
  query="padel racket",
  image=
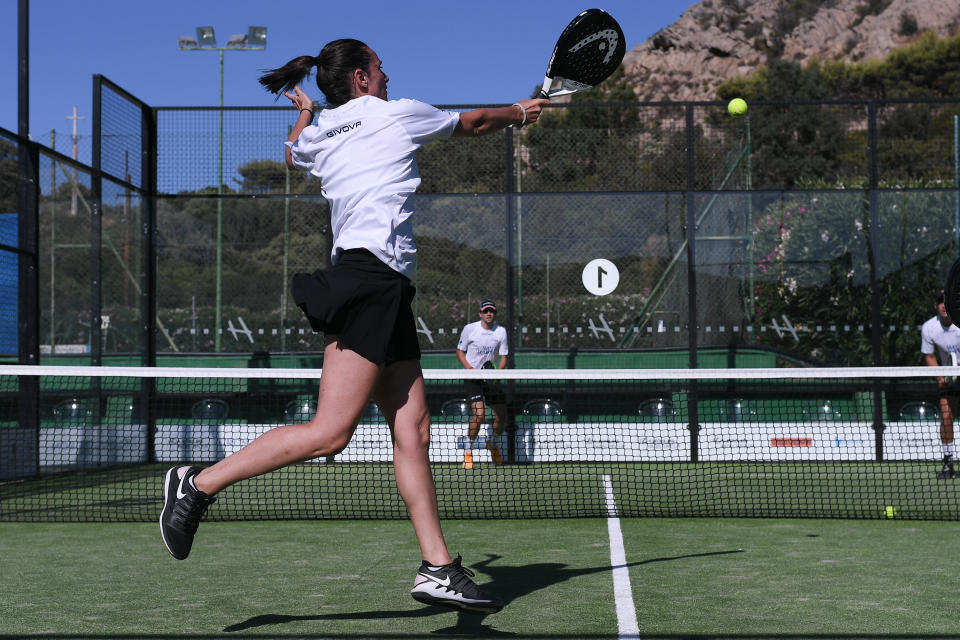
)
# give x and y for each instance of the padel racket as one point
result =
(587, 52)
(951, 293)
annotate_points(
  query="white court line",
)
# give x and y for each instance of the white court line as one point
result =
(623, 595)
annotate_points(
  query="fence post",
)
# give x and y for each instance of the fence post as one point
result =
(956, 184)
(873, 216)
(28, 281)
(148, 411)
(96, 262)
(96, 187)
(692, 400)
(510, 229)
(28, 243)
(510, 273)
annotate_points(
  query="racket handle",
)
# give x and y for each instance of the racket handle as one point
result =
(544, 91)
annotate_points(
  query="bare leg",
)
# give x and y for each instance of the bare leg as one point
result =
(401, 397)
(345, 387)
(473, 429)
(946, 421)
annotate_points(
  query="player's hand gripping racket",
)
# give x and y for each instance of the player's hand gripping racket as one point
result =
(587, 52)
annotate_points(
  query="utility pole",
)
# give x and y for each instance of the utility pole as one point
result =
(76, 138)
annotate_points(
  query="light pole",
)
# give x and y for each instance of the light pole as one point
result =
(254, 40)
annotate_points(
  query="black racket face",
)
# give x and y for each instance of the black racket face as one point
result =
(951, 293)
(589, 49)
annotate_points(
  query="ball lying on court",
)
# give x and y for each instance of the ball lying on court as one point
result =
(737, 107)
(890, 512)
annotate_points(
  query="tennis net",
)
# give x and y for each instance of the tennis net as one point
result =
(822, 443)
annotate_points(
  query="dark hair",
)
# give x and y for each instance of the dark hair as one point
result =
(335, 64)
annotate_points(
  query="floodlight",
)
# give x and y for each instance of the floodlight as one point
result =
(205, 37)
(254, 40)
(257, 37)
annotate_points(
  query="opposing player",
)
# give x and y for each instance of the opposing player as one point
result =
(362, 150)
(480, 343)
(940, 339)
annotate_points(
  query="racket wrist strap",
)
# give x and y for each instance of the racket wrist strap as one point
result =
(522, 111)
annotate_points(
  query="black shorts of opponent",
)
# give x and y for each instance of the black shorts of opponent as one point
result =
(487, 392)
(364, 303)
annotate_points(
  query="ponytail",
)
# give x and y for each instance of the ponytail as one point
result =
(335, 65)
(289, 75)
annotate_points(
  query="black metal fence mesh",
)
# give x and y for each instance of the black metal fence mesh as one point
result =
(121, 130)
(66, 274)
(804, 218)
(803, 233)
(9, 241)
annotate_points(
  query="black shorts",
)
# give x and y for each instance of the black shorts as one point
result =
(488, 392)
(364, 303)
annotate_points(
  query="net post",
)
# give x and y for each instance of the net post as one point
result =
(693, 426)
(878, 426)
(511, 444)
(570, 388)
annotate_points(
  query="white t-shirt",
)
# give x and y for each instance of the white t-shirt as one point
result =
(934, 337)
(482, 345)
(363, 152)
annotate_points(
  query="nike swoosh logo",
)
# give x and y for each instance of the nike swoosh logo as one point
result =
(180, 494)
(443, 583)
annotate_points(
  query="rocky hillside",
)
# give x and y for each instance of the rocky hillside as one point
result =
(715, 40)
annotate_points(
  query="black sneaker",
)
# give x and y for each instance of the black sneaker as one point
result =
(183, 507)
(946, 473)
(450, 586)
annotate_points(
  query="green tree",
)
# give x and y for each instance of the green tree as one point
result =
(791, 142)
(8, 176)
(595, 144)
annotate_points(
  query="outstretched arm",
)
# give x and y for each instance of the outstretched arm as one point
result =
(304, 103)
(483, 121)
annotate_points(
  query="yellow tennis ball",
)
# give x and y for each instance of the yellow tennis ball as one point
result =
(737, 107)
(890, 512)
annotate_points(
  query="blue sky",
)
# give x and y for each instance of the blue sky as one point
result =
(438, 52)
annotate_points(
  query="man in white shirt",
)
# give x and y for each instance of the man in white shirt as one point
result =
(940, 339)
(480, 343)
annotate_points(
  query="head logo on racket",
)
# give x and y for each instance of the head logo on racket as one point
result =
(610, 40)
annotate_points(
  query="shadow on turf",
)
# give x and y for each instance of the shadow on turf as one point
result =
(511, 582)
